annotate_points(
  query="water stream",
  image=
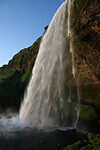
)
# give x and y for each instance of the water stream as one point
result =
(47, 102)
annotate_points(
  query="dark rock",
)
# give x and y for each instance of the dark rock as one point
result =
(46, 28)
(86, 21)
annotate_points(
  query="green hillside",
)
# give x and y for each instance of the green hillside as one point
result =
(15, 76)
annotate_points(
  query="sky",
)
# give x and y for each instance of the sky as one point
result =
(22, 22)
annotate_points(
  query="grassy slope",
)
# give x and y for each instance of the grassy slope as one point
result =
(15, 76)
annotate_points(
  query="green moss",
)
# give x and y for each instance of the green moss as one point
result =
(17, 59)
(87, 112)
(96, 143)
(92, 143)
(75, 146)
(6, 74)
(86, 147)
(90, 137)
(10, 91)
(25, 75)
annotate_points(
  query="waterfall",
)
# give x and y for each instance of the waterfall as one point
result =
(76, 78)
(52, 96)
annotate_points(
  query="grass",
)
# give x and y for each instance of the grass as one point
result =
(15, 76)
(92, 143)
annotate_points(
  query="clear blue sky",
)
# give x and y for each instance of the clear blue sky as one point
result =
(22, 22)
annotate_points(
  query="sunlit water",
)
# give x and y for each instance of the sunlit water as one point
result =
(47, 102)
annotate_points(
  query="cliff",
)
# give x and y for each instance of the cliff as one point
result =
(15, 76)
(86, 25)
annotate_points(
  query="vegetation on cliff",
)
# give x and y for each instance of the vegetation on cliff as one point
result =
(92, 142)
(15, 76)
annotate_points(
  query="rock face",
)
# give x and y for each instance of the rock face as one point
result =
(86, 24)
(15, 76)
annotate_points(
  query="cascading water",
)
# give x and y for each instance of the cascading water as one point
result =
(49, 100)
(76, 79)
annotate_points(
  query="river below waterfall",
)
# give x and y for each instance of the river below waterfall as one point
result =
(33, 139)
